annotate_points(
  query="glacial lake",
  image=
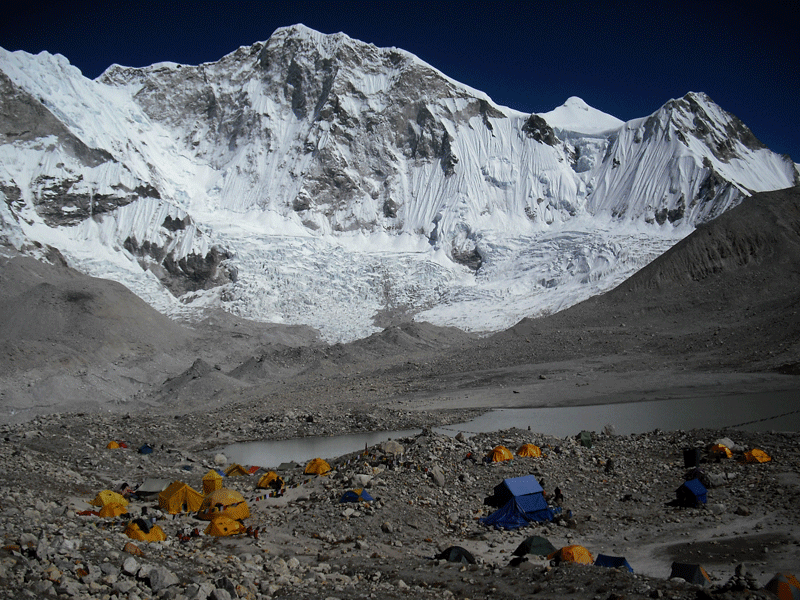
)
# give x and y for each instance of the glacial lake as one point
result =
(778, 411)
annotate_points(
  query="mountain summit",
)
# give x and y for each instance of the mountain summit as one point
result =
(317, 179)
(578, 117)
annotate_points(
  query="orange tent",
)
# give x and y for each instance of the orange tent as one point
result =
(179, 497)
(574, 554)
(500, 453)
(236, 470)
(785, 586)
(222, 526)
(112, 445)
(720, 451)
(270, 479)
(211, 481)
(529, 450)
(107, 497)
(756, 456)
(224, 502)
(139, 530)
(112, 509)
(317, 466)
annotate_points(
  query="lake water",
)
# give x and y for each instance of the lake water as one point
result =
(779, 411)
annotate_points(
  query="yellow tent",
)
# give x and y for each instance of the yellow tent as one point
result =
(224, 502)
(270, 479)
(529, 450)
(720, 451)
(500, 453)
(756, 456)
(235, 470)
(139, 530)
(222, 526)
(179, 497)
(317, 466)
(113, 509)
(107, 497)
(574, 554)
(211, 481)
(112, 445)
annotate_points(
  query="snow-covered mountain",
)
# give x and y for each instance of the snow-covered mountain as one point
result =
(316, 179)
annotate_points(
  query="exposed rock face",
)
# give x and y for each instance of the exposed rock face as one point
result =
(188, 273)
(538, 129)
(60, 196)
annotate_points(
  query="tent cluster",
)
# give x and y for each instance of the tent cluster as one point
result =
(225, 509)
(501, 454)
(692, 492)
(723, 449)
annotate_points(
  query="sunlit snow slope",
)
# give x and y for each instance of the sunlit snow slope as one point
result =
(316, 179)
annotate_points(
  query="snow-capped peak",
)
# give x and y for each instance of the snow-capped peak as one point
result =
(321, 180)
(578, 117)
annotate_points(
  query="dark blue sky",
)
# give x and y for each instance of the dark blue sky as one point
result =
(625, 59)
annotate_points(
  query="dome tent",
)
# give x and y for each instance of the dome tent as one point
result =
(359, 495)
(225, 502)
(500, 454)
(536, 545)
(456, 554)
(112, 509)
(529, 451)
(613, 562)
(270, 480)
(107, 497)
(573, 554)
(222, 526)
(690, 573)
(317, 466)
(756, 456)
(141, 530)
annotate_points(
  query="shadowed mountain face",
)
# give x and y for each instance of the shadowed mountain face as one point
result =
(727, 296)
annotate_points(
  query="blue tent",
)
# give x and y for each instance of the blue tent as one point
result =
(523, 503)
(513, 488)
(614, 562)
(692, 493)
(356, 495)
(146, 449)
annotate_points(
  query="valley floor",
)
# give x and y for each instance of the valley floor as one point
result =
(310, 546)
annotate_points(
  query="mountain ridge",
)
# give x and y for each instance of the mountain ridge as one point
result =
(325, 138)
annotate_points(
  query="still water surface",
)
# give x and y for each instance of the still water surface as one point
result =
(778, 411)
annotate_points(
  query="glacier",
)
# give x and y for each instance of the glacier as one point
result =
(315, 179)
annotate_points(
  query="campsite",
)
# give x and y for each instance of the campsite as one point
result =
(405, 518)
